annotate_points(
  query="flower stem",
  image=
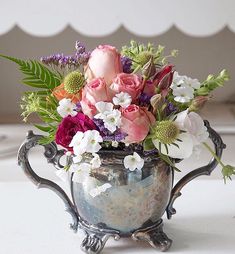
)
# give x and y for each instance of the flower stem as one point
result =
(213, 154)
(136, 69)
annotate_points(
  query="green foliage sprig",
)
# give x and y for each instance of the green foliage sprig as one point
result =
(212, 82)
(37, 74)
(42, 101)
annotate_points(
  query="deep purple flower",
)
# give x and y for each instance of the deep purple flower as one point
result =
(70, 125)
(144, 99)
(126, 64)
(170, 108)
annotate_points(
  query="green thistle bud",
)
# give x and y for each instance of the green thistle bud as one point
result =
(166, 132)
(144, 57)
(74, 82)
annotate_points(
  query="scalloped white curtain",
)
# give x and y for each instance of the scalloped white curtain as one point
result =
(103, 17)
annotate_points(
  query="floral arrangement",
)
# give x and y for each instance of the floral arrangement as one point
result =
(133, 100)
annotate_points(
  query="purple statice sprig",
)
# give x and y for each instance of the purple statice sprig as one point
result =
(68, 61)
(126, 64)
(81, 54)
(107, 135)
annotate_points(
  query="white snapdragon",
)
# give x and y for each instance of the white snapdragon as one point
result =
(133, 162)
(111, 117)
(66, 107)
(122, 99)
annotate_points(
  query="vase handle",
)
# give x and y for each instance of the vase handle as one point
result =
(205, 170)
(53, 155)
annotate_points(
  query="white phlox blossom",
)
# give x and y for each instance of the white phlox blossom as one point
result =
(66, 107)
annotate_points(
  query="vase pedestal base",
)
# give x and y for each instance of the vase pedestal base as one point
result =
(154, 235)
(94, 242)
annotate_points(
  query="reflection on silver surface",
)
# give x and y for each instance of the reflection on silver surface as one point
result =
(132, 199)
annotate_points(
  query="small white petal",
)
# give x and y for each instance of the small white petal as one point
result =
(66, 107)
(183, 94)
(122, 99)
(95, 162)
(133, 162)
(77, 138)
(102, 106)
(77, 158)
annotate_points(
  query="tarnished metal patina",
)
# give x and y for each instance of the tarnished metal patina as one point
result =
(133, 204)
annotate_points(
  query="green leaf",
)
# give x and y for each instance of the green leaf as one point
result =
(46, 140)
(37, 74)
(148, 144)
(43, 128)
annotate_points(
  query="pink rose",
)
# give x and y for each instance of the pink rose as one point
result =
(104, 62)
(93, 92)
(136, 122)
(129, 83)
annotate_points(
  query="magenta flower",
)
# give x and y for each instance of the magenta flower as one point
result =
(70, 126)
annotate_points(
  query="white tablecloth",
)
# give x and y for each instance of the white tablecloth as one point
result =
(34, 222)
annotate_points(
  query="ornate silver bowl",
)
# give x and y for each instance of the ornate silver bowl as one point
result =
(134, 203)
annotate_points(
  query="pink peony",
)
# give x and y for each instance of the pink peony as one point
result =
(93, 92)
(136, 122)
(70, 125)
(129, 83)
(104, 62)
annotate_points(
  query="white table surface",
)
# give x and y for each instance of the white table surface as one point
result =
(34, 222)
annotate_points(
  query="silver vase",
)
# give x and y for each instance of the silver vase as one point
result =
(131, 206)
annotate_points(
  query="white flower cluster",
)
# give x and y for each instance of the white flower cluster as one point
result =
(87, 142)
(110, 116)
(184, 87)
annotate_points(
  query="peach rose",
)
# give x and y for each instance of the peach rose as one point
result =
(136, 122)
(93, 92)
(128, 83)
(104, 62)
(60, 94)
